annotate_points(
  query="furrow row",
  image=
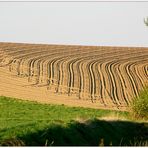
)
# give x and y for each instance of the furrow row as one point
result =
(110, 77)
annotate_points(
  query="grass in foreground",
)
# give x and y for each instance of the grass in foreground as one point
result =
(139, 106)
(34, 124)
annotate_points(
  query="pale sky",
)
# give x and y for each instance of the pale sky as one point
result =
(97, 23)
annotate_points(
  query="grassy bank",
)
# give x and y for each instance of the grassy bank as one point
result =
(139, 106)
(31, 123)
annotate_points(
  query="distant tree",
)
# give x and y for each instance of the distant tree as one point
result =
(146, 21)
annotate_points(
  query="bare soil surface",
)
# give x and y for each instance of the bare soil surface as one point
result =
(86, 76)
(17, 87)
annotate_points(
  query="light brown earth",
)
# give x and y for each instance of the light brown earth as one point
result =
(16, 87)
(86, 76)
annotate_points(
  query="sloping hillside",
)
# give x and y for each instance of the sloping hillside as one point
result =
(89, 76)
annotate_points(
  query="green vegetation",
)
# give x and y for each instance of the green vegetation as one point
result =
(139, 105)
(34, 124)
(146, 21)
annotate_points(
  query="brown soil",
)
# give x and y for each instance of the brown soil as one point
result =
(94, 77)
(16, 87)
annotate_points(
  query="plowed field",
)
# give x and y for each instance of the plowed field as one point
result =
(88, 76)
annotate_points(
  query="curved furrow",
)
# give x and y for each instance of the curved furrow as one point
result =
(70, 75)
(88, 78)
(95, 73)
(104, 91)
(64, 73)
(91, 79)
(26, 60)
(78, 77)
(93, 83)
(86, 86)
(130, 83)
(97, 83)
(51, 70)
(129, 79)
(72, 47)
(33, 69)
(100, 82)
(81, 77)
(113, 81)
(43, 57)
(118, 84)
(73, 76)
(44, 54)
(59, 74)
(29, 54)
(74, 70)
(136, 77)
(129, 88)
(37, 70)
(56, 72)
(87, 75)
(41, 75)
(139, 75)
(108, 88)
(142, 72)
(110, 75)
(92, 73)
(23, 54)
(113, 90)
(122, 84)
(55, 67)
(71, 71)
(134, 84)
(65, 76)
(145, 69)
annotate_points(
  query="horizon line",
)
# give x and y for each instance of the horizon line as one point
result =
(81, 45)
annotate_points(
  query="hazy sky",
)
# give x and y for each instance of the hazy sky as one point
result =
(100, 23)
